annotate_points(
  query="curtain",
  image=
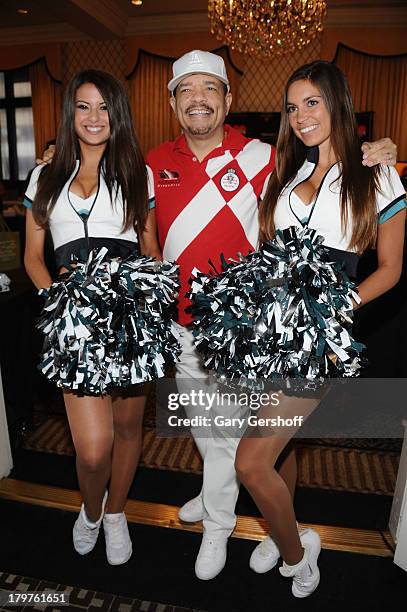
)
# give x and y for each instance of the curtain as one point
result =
(149, 97)
(379, 84)
(19, 56)
(46, 101)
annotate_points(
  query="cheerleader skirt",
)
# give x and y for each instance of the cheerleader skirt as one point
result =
(109, 323)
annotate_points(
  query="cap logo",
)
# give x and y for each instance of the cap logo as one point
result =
(195, 59)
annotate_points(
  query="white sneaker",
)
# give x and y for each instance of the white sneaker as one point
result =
(305, 574)
(85, 532)
(192, 511)
(265, 556)
(211, 558)
(118, 544)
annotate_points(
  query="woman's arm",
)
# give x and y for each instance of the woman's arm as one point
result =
(148, 238)
(34, 253)
(390, 243)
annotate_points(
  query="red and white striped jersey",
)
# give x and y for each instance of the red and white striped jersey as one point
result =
(205, 209)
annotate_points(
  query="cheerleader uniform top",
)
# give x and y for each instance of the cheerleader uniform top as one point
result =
(79, 225)
(324, 213)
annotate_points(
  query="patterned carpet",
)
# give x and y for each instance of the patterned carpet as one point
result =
(79, 599)
(319, 466)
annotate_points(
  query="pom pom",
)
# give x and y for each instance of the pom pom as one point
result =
(109, 323)
(284, 311)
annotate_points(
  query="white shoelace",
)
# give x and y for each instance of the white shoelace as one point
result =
(266, 547)
(87, 533)
(304, 577)
(116, 530)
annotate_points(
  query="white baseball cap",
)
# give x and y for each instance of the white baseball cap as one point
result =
(198, 62)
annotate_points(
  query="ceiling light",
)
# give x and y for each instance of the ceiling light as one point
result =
(137, 2)
(23, 11)
(266, 28)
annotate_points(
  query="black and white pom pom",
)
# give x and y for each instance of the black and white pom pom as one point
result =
(284, 311)
(108, 323)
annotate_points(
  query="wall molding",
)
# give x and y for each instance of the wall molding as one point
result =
(341, 16)
(58, 32)
(169, 24)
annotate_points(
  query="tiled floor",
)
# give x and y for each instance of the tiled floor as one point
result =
(79, 599)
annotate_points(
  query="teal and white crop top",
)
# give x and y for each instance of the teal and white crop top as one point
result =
(324, 213)
(78, 225)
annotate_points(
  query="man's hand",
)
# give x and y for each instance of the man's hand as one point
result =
(46, 156)
(382, 151)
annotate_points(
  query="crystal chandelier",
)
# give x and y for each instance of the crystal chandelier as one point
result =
(266, 28)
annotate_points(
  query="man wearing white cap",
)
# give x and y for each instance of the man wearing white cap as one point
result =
(207, 186)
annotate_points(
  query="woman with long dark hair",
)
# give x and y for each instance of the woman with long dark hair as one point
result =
(353, 207)
(95, 197)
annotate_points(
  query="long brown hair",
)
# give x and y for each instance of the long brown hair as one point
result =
(358, 183)
(122, 162)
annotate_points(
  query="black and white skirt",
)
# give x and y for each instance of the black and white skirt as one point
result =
(109, 323)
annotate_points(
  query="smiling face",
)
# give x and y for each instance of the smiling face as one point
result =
(92, 125)
(201, 105)
(308, 115)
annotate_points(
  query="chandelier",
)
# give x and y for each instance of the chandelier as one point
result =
(266, 28)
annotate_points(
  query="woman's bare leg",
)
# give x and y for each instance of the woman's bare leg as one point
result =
(128, 428)
(255, 465)
(288, 470)
(91, 424)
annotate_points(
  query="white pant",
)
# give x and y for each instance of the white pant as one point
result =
(220, 486)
